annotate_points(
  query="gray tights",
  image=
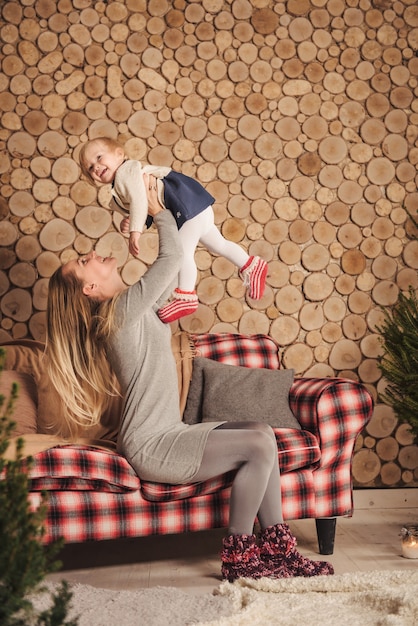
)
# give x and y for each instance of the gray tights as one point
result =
(250, 448)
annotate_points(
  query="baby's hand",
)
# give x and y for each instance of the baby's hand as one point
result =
(134, 243)
(124, 226)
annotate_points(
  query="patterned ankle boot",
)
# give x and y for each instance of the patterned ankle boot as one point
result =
(241, 558)
(183, 303)
(254, 274)
(278, 551)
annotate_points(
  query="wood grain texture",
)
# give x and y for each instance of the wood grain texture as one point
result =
(300, 117)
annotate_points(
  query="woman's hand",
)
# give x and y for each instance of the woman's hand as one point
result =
(154, 205)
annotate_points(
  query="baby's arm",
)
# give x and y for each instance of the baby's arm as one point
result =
(150, 183)
(134, 236)
(130, 188)
(155, 286)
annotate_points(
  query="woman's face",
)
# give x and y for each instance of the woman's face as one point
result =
(102, 162)
(98, 274)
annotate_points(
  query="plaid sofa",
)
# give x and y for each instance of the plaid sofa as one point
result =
(94, 494)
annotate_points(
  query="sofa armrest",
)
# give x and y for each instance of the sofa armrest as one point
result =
(78, 467)
(335, 410)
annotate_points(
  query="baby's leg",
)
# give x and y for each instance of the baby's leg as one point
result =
(215, 242)
(189, 234)
(252, 269)
(185, 301)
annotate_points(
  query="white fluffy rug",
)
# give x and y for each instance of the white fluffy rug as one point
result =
(387, 598)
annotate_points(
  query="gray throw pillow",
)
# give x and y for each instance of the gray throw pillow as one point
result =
(231, 393)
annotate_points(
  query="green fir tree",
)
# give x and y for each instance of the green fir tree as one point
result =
(24, 560)
(399, 363)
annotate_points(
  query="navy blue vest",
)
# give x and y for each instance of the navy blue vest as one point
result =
(184, 197)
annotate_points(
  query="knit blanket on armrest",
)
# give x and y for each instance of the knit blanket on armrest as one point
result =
(184, 352)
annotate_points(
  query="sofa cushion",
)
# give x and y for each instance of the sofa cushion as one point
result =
(24, 407)
(81, 468)
(296, 449)
(84, 468)
(247, 351)
(229, 392)
(164, 492)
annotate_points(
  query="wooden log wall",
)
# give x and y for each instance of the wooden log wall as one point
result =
(299, 116)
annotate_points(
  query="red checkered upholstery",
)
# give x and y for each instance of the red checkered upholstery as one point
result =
(245, 350)
(82, 468)
(94, 494)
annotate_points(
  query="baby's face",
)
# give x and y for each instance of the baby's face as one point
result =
(102, 162)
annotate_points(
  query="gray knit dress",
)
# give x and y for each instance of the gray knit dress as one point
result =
(152, 437)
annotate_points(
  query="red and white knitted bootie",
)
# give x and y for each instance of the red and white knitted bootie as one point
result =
(254, 274)
(183, 303)
(278, 550)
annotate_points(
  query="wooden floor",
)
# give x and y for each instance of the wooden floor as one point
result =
(367, 541)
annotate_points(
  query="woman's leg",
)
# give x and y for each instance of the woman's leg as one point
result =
(251, 449)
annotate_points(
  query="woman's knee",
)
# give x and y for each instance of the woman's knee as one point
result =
(263, 445)
(264, 430)
(247, 425)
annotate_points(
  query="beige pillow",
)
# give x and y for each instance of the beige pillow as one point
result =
(25, 409)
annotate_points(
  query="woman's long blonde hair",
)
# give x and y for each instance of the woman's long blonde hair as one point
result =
(77, 329)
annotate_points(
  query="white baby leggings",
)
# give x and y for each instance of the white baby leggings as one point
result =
(201, 228)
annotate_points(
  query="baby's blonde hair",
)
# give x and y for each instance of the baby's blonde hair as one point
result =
(107, 142)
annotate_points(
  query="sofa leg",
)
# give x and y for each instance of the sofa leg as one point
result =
(325, 529)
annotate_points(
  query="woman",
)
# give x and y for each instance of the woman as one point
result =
(94, 318)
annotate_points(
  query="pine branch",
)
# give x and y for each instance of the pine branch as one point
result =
(24, 560)
(399, 363)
